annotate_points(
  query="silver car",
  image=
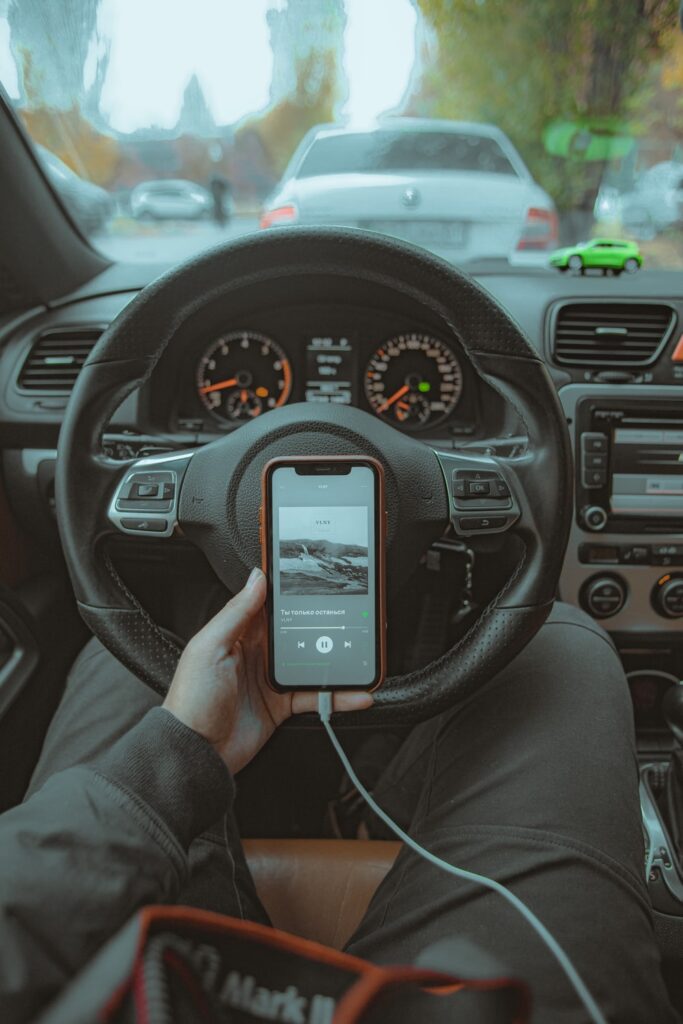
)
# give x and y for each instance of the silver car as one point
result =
(459, 189)
(170, 199)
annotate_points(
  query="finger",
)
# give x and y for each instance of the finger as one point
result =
(346, 700)
(233, 620)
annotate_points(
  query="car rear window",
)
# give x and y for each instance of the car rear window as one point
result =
(368, 152)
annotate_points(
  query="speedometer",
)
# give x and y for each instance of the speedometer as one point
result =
(243, 374)
(413, 380)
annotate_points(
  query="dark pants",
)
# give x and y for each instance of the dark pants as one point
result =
(532, 780)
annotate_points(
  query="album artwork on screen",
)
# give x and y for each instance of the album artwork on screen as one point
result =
(323, 551)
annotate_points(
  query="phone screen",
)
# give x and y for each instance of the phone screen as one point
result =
(324, 579)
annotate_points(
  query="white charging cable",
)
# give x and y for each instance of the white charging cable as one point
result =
(591, 1007)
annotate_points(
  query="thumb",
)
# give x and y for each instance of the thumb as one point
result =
(232, 621)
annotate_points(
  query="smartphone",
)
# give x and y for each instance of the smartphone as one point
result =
(323, 539)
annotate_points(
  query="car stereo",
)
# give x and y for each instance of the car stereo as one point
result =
(629, 465)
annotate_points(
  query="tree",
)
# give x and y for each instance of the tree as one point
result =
(523, 64)
(314, 101)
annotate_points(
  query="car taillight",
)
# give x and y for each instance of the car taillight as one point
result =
(280, 215)
(540, 230)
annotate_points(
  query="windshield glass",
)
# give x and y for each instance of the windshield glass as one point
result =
(487, 131)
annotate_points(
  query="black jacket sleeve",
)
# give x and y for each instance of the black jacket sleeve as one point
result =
(92, 846)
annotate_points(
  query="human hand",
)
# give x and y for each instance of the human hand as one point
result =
(220, 690)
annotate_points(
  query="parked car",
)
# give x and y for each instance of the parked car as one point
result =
(459, 189)
(89, 205)
(612, 255)
(654, 204)
(170, 199)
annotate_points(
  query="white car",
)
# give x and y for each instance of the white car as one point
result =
(459, 189)
(170, 199)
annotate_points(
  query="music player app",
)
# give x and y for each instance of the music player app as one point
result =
(323, 568)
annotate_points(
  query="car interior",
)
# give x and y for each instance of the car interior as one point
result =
(130, 488)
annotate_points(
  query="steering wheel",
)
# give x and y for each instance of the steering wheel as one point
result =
(212, 493)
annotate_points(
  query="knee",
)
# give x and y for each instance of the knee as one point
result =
(581, 653)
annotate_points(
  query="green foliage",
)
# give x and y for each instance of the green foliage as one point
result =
(524, 64)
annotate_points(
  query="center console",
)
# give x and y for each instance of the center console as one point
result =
(624, 566)
(624, 561)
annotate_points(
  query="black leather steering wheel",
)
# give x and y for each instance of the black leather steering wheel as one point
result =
(213, 492)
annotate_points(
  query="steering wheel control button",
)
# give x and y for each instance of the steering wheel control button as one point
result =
(604, 596)
(145, 501)
(479, 493)
(475, 489)
(324, 644)
(482, 522)
(144, 525)
(667, 596)
(145, 491)
(594, 517)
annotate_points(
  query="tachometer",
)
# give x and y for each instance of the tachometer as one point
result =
(243, 374)
(413, 380)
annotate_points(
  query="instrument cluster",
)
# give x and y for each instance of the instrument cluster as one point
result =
(407, 375)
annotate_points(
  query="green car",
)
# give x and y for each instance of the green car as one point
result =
(613, 255)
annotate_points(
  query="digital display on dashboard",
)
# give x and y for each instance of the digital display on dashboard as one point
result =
(330, 370)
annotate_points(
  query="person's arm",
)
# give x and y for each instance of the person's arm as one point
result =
(97, 842)
(93, 845)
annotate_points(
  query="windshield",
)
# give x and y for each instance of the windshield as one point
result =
(483, 130)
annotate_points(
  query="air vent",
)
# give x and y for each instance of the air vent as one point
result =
(56, 358)
(611, 333)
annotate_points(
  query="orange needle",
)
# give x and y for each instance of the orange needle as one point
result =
(394, 398)
(218, 387)
(243, 396)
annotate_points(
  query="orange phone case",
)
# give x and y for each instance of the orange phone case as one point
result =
(381, 620)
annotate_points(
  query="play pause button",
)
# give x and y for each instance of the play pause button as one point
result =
(324, 644)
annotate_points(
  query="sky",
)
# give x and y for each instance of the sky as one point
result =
(145, 83)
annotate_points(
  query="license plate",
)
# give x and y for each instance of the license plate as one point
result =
(423, 232)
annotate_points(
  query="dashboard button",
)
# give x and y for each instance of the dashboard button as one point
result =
(591, 443)
(594, 477)
(604, 596)
(637, 555)
(594, 517)
(667, 554)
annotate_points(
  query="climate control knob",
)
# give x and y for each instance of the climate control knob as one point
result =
(667, 596)
(594, 517)
(604, 596)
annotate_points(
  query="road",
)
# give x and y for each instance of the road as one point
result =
(127, 240)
